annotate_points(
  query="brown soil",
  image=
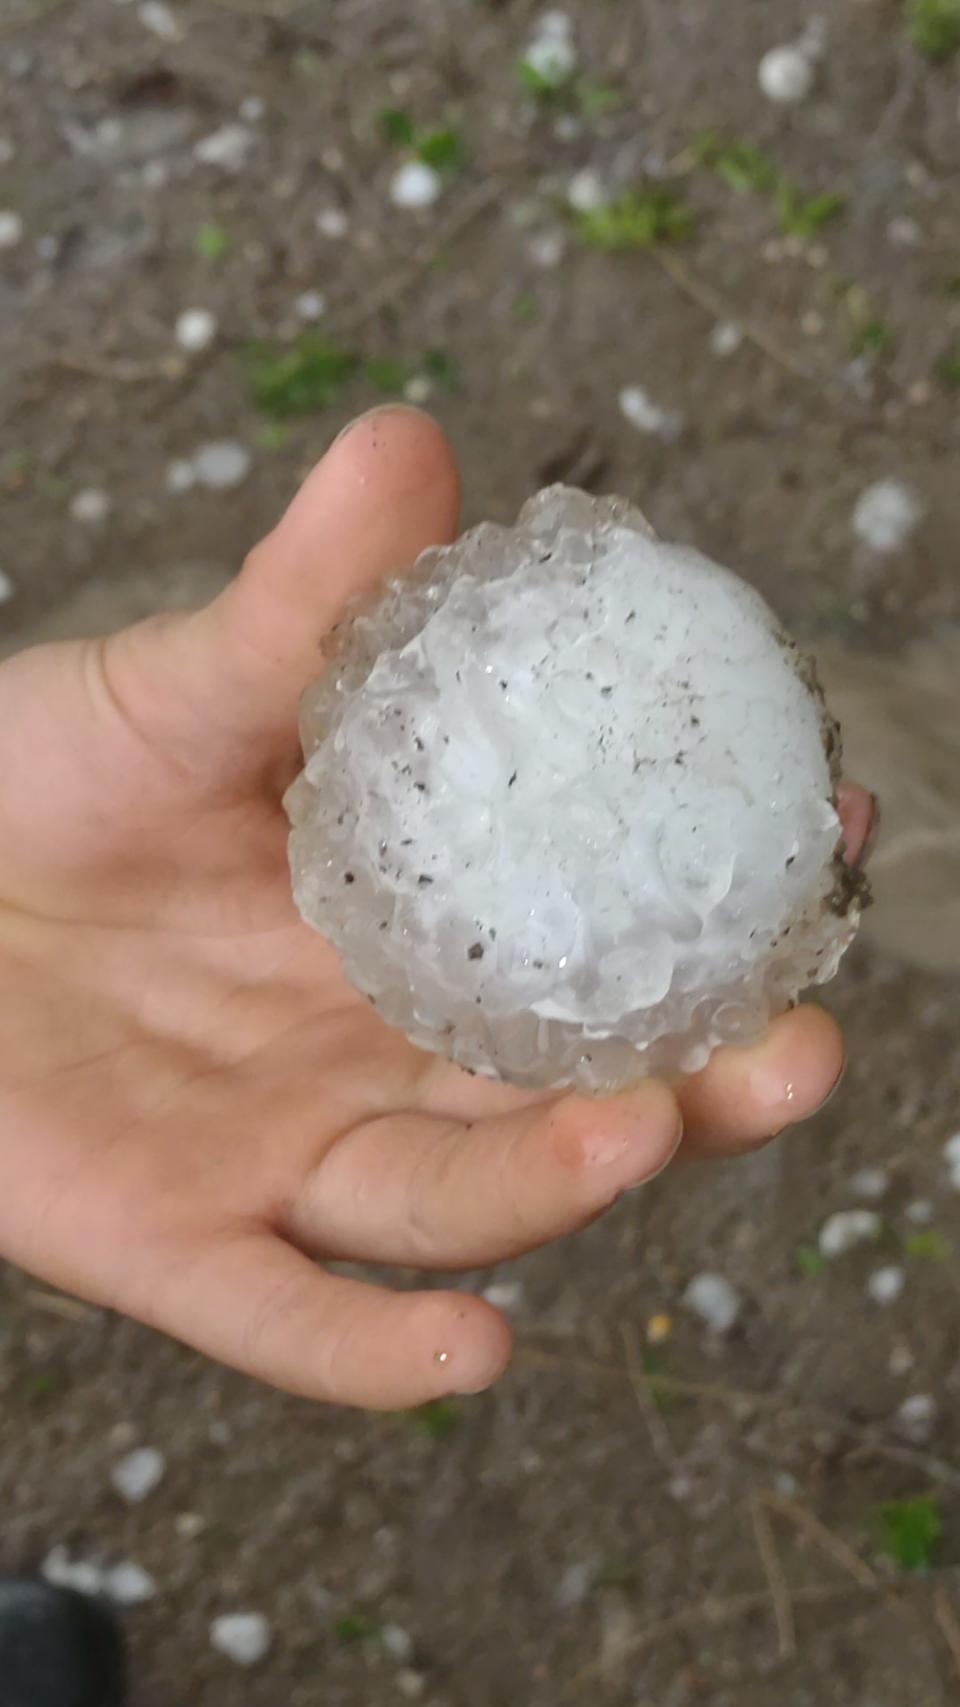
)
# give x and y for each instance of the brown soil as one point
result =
(569, 1538)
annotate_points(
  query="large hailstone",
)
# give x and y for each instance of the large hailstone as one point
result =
(568, 808)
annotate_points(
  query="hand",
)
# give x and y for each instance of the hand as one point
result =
(195, 1107)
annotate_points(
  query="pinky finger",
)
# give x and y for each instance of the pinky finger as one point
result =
(256, 1303)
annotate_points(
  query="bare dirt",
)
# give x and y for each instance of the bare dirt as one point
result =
(704, 1530)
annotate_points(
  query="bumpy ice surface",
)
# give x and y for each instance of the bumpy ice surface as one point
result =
(567, 810)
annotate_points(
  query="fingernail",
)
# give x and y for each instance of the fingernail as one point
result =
(669, 1156)
(834, 1088)
(472, 1392)
(376, 413)
(770, 1090)
(870, 839)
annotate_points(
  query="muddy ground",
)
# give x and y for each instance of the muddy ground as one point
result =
(584, 1532)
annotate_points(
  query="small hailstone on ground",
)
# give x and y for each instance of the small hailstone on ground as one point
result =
(195, 329)
(7, 588)
(222, 464)
(871, 1183)
(916, 1417)
(574, 1585)
(189, 1524)
(412, 1685)
(568, 810)
(714, 1300)
(397, 1642)
(920, 1212)
(128, 1584)
(885, 516)
(310, 305)
(181, 476)
(726, 338)
(567, 127)
(586, 191)
(243, 1637)
(886, 1284)
(419, 389)
(848, 1228)
(951, 1155)
(332, 222)
(415, 185)
(638, 407)
(136, 1475)
(160, 20)
(11, 228)
(814, 37)
(551, 57)
(786, 75)
(84, 1576)
(252, 109)
(505, 1294)
(7, 151)
(904, 232)
(90, 506)
(901, 1360)
(547, 248)
(230, 147)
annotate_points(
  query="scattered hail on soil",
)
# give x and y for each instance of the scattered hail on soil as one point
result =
(243, 1637)
(91, 507)
(195, 329)
(568, 807)
(415, 185)
(885, 516)
(715, 1301)
(135, 1476)
(847, 1229)
(11, 228)
(886, 1284)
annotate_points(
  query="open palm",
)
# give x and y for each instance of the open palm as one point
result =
(194, 1105)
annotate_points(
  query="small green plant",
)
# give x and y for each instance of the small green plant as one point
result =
(526, 307)
(43, 1384)
(872, 337)
(910, 1531)
(356, 1627)
(386, 373)
(299, 378)
(273, 435)
(14, 469)
(929, 1245)
(654, 1368)
(441, 148)
(595, 100)
(617, 1573)
(948, 367)
(442, 368)
(547, 83)
(636, 220)
(396, 126)
(803, 216)
(740, 164)
(212, 242)
(933, 27)
(439, 1418)
(810, 1261)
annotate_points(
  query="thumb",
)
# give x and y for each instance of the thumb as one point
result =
(226, 681)
(386, 490)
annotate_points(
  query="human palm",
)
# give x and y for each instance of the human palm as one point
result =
(196, 1110)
